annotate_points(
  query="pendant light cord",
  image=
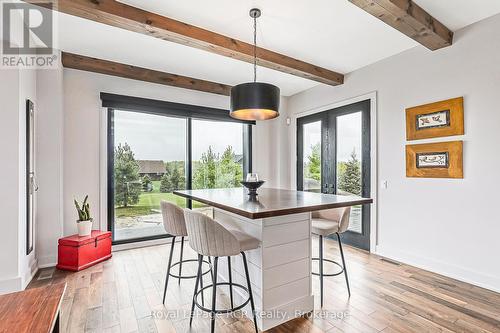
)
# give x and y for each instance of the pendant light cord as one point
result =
(255, 49)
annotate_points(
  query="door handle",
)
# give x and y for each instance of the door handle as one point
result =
(34, 185)
(332, 188)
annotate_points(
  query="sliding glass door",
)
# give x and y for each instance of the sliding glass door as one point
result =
(151, 155)
(217, 157)
(333, 156)
(217, 160)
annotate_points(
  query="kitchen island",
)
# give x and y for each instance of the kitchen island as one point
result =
(280, 270)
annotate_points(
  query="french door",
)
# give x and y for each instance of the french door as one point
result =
(333, 157)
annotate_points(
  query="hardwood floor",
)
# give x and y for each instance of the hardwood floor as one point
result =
(124, 294)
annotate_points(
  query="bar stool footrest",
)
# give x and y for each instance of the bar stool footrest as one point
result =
(332, 262)
(189, 276)
(236, 308)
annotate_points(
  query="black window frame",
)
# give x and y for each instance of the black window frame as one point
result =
(114, 102)
(329, 184)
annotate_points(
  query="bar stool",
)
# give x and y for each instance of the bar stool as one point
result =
(326, 223)
(175, 225)
(209, 238)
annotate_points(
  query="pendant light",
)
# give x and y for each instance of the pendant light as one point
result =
(255, 100)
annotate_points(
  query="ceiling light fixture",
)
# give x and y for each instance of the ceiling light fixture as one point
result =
(255, 100)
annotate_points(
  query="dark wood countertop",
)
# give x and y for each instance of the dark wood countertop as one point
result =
(270, 202)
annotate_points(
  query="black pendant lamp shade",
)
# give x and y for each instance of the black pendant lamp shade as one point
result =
(255, 101)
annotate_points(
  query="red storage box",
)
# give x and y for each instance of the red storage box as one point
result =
(76, 253)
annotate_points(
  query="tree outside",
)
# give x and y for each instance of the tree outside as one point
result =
(313, 165)
(127, 181)
(349, 178)
(217, 171)
(137, 196)
(172, 180)
(147, 185)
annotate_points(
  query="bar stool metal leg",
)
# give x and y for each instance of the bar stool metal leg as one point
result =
(321, 268)
(180, 262)
(211, 271)
(343, 265)
(198, 277)
(201, 285)
(230, 280)
(250, 294)
(168, 268)
(214, 294)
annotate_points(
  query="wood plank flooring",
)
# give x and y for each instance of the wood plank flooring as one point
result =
(124, 294)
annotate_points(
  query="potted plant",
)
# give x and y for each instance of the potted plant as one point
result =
(84, 221)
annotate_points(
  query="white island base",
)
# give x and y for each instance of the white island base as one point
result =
(280, 270)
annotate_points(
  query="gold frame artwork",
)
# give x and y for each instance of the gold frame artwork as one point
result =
(435, 160)
(444, 118)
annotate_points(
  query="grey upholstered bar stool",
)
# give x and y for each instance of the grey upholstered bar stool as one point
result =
(209, 238)
(175, 225)
(326, 223)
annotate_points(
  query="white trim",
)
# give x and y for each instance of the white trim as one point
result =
(347, 101)
(47, 265)
(372, 96)
(103, 170)
(47, 261)
(11, 285)
(439, 267)
(28, 276)
(135, 245)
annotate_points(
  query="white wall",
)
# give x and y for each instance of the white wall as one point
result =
(9, 187)
(448, 226)
(16, 85)
(270, 149)
(16, 268)
(49, 164)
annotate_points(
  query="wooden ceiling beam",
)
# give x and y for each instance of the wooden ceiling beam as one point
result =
(411, 20)
(134, 19)
(75, 61)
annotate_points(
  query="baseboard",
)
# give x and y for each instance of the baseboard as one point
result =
(11, 285)
(47, 261)
(455, 272)
(29, 275)
(134, 245)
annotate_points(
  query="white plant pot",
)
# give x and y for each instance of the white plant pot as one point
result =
(84, 228)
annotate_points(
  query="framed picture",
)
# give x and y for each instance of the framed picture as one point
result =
(435, 160)
(433, 120)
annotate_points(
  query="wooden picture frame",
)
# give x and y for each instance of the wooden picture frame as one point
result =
(435, 160)
(444, 118)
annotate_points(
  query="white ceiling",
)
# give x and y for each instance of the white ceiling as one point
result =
(329, 33)
(457, 14)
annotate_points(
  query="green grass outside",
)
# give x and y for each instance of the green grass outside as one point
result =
(149, 203)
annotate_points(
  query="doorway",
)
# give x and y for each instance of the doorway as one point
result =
(333, 157)
(31, 186)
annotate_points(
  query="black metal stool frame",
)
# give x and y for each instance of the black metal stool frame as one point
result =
(321, 259)
(213, 311)
(179, 276)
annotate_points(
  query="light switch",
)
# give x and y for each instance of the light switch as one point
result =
(384, 184)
